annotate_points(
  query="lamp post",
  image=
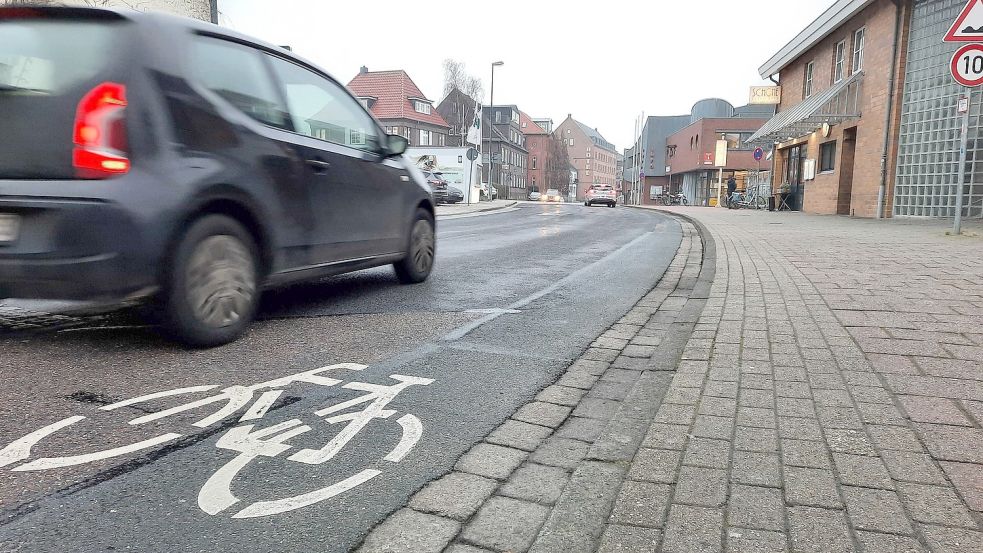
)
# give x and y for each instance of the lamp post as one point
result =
(491, 131)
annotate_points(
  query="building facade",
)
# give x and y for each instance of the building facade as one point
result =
(504, 153)
(538, 146)
(205, 10)
(396, 101)
(594, 157)
(457, 109)
(868, 123)
(645, 162)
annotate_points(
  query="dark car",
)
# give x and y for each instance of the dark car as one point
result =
(438, 186)
(147, 158)
(454, 195)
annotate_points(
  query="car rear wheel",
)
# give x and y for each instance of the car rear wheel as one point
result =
(422, 250)
(611, 204)
(212, 294)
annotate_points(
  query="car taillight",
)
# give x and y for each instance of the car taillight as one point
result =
(100, 133)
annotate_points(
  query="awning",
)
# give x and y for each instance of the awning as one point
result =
(833, 105)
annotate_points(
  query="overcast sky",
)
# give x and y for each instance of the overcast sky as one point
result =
(604, 64)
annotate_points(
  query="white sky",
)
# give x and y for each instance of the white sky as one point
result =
(605, 64)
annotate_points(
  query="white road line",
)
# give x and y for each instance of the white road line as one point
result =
(157, 395)
(266, 508)
(46, 463)
(215, 495)
(412, 431)
(21, 449)
(463, 331)
(262, 405)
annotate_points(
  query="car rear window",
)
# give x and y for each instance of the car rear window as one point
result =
(49, 57)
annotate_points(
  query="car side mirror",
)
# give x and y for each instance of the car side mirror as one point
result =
(396, 145)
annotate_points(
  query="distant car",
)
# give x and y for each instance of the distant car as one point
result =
(437, 185)
(552, 195)
(601, 194)
(484, 191)
(454, 195)
(190, 177)
(535, 196)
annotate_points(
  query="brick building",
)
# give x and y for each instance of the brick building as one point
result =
(594, 157)
(396, 101)
(867, 125)
(538, 147)
(502, 138)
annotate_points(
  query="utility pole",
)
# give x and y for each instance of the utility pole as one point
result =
(491, 132)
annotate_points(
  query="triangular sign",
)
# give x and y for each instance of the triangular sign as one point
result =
(969, 25)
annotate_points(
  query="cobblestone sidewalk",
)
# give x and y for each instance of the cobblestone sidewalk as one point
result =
(827, 397)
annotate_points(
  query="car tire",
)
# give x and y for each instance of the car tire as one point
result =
(421, 250)
(611, 205)
(212, 292)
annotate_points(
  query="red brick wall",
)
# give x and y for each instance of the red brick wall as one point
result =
(602, 168)
(687, 159)
(821, 195)
(538, 147)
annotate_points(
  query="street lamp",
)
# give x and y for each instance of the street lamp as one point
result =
(491, 131)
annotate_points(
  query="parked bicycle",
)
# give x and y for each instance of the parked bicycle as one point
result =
(674, 199)
(749, 199)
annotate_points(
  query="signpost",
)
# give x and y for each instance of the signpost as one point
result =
(967, 69)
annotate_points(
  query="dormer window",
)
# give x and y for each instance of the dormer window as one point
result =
(421, 107)
(515, 115)
(367, 101)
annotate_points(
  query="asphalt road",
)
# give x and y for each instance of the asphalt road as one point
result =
(515, 297)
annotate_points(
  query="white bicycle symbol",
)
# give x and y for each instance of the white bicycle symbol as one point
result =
(249, 441)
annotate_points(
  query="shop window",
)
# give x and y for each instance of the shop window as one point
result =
(827, 157)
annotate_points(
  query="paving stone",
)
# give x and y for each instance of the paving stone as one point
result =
(756, 507)
(878, 510)
(491, 461)
(934, 410)
(506, 524)
(520, 435)
(561, 395)
(641, 504)
(842, 440)
(578, 519)
(614, 391)
(583, 429)
(859, 470)
(655, 465)
(701, 486)
(968, 479)
(462, 548)
(894, 437)
(584, 381)
(762, 440)
(713, 427)
(802, 429)
(408, 530)
(757, 382)
(597, 354)
(832, 398)
(632, 363)
(646, 341)
(610, 343)
(873, 542)
(801, 453)
(596, 368)
(935, 505)
(457, 495)
(643, 352)
(756, 417)
(815, 530)
(870, 394)
(876, 413)
(811, 487)
(721, 389)
(707, 453)
(560, 452)
(950, 540)
(839, 417)
(543, 414)
(536, 483)
(676, 414)
(717, 406)
(795, 407)
(693, 530)
(906, 466)
(744, 540)
(952, 443)
(594, 408)
(666, 436)
(621, 375)
(798, 390)
(756, 469)
(629, 539)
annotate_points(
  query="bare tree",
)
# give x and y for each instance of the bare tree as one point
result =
(558, 165)
(456, 76)
(460, 114)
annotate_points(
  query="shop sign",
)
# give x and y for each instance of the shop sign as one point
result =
(721, 156)
(766, 95)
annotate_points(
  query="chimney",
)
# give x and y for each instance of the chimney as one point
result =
(569, 116)
(363, 70)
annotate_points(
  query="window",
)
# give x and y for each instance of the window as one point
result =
(827, 157)
(533, 162)
(498, 117)
(364, 102)
(515, 115)
(807, 85)
(839, 61)
(323, 109)
(859, 38)
(421, 107)
(523, 124)
(440, 140)
(571, 143)
(237, 74)
(426, 138)
(736, 140)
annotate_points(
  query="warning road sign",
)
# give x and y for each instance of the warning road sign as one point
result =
(968, 27)
(967, 65)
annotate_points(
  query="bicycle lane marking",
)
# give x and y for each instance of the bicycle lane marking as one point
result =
(249, 440)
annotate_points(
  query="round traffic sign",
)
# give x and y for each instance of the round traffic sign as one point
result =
(758, 154)
(967, 65)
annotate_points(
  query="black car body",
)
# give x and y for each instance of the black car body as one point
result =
(438, 186)
(454, 195)
(143, 135)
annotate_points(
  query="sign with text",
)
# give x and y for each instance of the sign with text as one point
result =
(967, 65)
(707, 158)
(766, 95)
(721, 157)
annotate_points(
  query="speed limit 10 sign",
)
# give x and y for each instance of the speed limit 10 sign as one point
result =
(967, 65)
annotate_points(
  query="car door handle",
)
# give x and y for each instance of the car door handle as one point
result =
(319, 165)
